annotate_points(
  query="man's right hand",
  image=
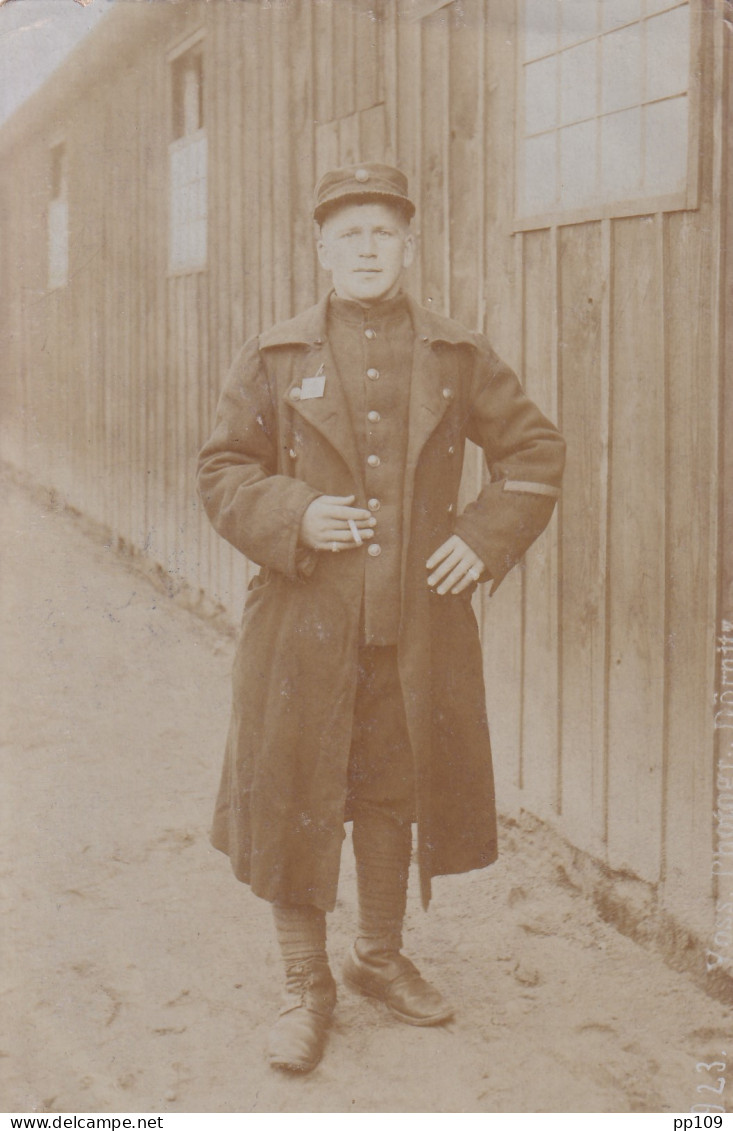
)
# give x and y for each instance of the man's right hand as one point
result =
(325, 524)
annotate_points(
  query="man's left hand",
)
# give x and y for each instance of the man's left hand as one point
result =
(454, 567)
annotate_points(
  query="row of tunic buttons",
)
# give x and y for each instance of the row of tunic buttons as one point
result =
(373, 549)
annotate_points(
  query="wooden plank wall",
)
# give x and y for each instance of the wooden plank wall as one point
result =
(599, 648)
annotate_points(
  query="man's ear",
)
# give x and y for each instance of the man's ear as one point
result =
(408, 252)
(323, 257)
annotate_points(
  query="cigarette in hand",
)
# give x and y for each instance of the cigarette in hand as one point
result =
(355, 533)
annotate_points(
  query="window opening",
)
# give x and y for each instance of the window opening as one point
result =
(604, 104)
(188, 164)
(58, 219)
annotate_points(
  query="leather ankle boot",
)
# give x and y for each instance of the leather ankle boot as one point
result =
(298, 1037)
(393, 979)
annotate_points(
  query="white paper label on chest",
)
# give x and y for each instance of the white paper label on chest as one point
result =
(313, 386)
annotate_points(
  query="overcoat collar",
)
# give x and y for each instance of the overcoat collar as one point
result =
(310, 327)
(431, 392)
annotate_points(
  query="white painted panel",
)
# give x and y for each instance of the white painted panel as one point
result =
(540, 27)
(578, 83)
(621, 69)
(657, 6)
(540, 176)
(540, 96)
(578, 20)
(621, 154)
(618, 12)
(665, 145)
(668, 54)
(578, 163)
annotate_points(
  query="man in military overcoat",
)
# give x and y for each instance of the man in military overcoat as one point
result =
(335, 464)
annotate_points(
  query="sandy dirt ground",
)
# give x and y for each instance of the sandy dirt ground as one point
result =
(139, 976)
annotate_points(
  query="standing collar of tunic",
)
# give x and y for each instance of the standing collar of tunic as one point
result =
(354, 313)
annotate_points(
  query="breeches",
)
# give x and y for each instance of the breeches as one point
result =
(381, 771)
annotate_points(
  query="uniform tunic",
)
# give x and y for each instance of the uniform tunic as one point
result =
(372, 351)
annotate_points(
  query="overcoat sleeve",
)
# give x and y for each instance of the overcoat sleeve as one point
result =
(248, 502)
(525, 455)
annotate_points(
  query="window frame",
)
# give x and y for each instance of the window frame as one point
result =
(189, 42)
(57, 233)
(681, 201)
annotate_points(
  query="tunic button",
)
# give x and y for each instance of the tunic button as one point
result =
(373, 461)
(374, 549)
(451, 508)
(451, 451)
(447, 394)
(295, 394)
(373, 417)
(374, 504)
(370, 334)
(373, 374)
(292, 453)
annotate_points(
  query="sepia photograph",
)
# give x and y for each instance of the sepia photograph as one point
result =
(367, 571)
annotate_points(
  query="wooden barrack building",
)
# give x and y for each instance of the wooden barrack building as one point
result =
(570, 167)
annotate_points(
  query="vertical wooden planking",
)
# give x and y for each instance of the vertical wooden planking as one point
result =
(373, 134)
(327, 147)
(323, 58)
(501, 616)
(349, 149)
(125, 392)
(503, 275)
(229, 166)
(112, 323)
(583, 293)
(465, 150)
(465, 192)
(160, 196)
(434, 165)
(250, 178)
(388, 76)
(408, 84)
(265, 83)
(176, 393)
(540, 723)
(144, 306)
(691, 559)
(344, 56)
(282, 143)
(367, 32)
(303, 172)
(137, 328)
(636, 553)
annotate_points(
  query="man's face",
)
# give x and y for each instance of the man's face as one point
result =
(366, 247)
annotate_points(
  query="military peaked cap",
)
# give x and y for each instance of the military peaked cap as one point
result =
(362, 184)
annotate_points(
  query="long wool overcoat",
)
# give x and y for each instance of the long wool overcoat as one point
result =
(280, 810)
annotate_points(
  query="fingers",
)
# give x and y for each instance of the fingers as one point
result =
(442, 552)
(344, 514)
(448, 573)
(454, 567)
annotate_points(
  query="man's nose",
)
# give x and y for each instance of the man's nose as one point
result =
(368, 245)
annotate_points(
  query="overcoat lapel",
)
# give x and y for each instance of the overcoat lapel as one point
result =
(328, 414)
